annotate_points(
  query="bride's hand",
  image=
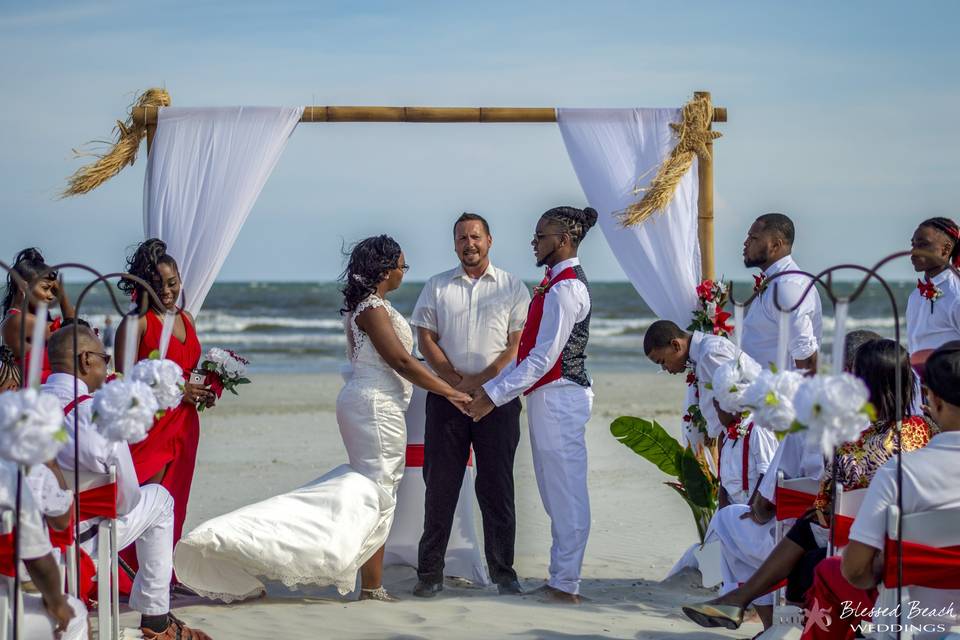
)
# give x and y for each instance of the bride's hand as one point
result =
(460, 400)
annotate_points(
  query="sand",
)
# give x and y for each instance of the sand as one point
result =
(282, 432)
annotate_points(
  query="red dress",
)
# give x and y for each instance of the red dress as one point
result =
(173, 440)
(45, 371)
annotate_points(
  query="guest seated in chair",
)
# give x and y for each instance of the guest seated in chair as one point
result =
(804, 546)
(931, 481)
(145, 513)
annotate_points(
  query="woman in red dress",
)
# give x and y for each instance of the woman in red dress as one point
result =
(30, 265)
(168, 455)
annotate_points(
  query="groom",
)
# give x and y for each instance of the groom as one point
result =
(550, 371)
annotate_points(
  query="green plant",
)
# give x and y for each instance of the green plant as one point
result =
(695, 483)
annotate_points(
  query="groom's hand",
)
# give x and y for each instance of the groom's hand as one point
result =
(481, 405)
(470, 382)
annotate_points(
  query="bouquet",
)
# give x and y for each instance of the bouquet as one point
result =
(225, 371)
(31, 426)
(771, 397)
(710, 316)
(165, 379)
(125, 410)
(731, 382)
(833, 410)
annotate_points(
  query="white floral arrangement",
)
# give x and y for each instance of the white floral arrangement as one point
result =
(731, 381)
(834, 409)
(771, 396)
(124, 410)
(31, 426)
(164, 377)
(225, 371)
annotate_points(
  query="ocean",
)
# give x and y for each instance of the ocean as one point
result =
(295, 326)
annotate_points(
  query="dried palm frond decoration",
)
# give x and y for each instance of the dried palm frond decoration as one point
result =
(122, 152)
(693, 135)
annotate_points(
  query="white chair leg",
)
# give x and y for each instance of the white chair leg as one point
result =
(114, 581)
(5, 616)
(71, 564)
(104, 626)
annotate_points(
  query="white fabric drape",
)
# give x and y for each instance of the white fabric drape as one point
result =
(206, 169)
(610, 149)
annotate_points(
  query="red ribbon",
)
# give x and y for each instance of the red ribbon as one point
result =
(792, 503)
(7, 566)
(758, 282)
(415, 456)
(927, 289)
(923, 566)
(99, 502)
(841, 529)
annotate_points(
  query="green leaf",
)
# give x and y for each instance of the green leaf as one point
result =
(648, 439)
(154, 355)
(243, 381)
(871, 411)
(699, 488)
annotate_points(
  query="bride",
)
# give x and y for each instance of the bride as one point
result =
(326, 531)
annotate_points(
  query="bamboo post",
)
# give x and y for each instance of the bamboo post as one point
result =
(705, 202)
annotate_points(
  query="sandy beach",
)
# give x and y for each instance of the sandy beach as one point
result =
(282, 432)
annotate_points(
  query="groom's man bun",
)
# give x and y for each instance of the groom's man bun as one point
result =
(574, 221)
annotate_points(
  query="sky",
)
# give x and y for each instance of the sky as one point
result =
(841, 115)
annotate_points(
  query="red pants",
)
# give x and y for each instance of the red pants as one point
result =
(828, 594)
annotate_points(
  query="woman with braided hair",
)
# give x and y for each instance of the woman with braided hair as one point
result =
(45, 287)
(550, 370)
(168, 455)
(933, 309)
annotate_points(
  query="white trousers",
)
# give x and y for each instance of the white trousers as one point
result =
(149, 525)
(37, 623)
(557, 417)
(746, 545)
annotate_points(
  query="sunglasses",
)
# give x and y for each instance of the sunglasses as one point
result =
(104, 356)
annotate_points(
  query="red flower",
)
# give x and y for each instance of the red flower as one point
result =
(691, 378)
(759, 282)
(733, 429)
(215, 384)
(687, 417)
(720, 322)
(705, 291)
(928, 290)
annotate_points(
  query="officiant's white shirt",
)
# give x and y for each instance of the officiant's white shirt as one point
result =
(472, 317)
(761, 326)
(930, 328)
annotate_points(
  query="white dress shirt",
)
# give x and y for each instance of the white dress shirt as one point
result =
(930, 328)
(97, 454)
(761, 326)
(34, 538)
(708, 352)
(472, 318)
(566, 303)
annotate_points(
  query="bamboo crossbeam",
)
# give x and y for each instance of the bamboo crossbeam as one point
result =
(148, 115)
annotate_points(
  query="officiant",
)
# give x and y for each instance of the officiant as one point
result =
(469, 320)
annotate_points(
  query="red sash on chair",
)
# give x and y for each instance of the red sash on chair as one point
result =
(841, 529)
(64, 539)
(793, 504)
(7, 566)
(923, 566)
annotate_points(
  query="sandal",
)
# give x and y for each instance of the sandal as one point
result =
(176, 630)
(715, 615)
(379, 594)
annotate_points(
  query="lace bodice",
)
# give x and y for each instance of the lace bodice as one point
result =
(364, 358)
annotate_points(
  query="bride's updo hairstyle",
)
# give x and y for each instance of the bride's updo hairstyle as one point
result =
(573, 221)
(143, 264)
(29, 265)
(369, 262)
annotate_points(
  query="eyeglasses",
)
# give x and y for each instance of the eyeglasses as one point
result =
(537, 237)
(104, 356)
(405, 267)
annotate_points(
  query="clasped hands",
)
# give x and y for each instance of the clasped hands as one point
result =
(470, 398)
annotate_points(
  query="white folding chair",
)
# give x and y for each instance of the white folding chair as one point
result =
(938, 529)
(845, 507)
(97, 488)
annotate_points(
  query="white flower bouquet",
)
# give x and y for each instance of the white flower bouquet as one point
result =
(165, 379)
(225, 371)
(771, 396)
(731, 382)
(833, 409)
(31, 426)
(124, 410)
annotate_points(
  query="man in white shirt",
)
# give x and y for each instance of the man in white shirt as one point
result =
(931, 481)
(768, 247)
(145, 514)
(933, 308)
(468, 323)
(48, 613)
(550, 370)
(745, 448)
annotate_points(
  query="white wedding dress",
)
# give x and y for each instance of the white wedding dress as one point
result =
(321, 533)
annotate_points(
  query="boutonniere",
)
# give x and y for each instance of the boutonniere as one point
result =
(759, 283)
(541, 289)
(737, 429)
(929, 291)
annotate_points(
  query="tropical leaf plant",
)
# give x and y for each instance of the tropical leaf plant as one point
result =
(695, 482)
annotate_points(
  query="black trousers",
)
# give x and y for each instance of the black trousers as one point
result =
(447, 439)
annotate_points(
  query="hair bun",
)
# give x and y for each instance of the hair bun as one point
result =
(30, 255)
(589, 218)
